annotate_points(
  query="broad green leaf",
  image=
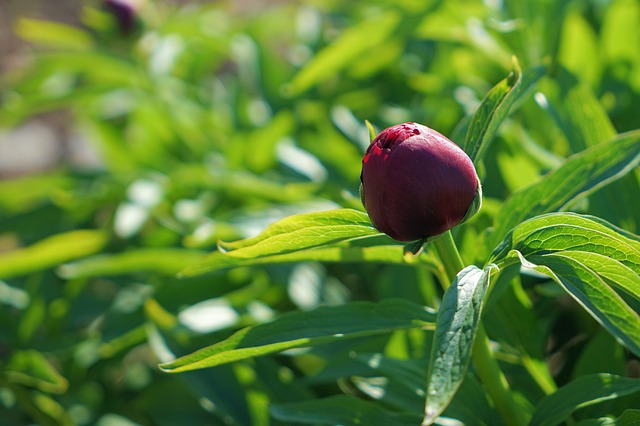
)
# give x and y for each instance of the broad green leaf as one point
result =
(354, 42)
(51, 251)
(616, 273)
(586, 256)
(593, 293)
(456, 326)
(31, 368)
(579, 176)
(373, 249)
(166, 261)
(298, 329)
(581, 392)
(340, 410)
(570, 231)
(496, 106)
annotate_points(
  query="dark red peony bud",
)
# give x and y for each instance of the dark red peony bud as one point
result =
(125, 13)
(416, 183)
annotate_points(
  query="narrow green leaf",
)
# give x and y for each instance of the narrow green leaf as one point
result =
(592, 292)
(166, 261)
(581, 392)
(373, 249)
(456, 326)
(297, 329)
(497, 104)
(53, 34)
(31, 368)
(354, 42)
(340, 410)
(372, 130)
(25, 192)
(318, 221)
(51, 251)
(283, 241)
(579, 113)
(580, 175)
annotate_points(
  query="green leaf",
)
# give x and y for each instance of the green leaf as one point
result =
(51, 251)
(571, 231)
(579, 176)
(497, 104)
(374, 249)
(340, 410)
(53, 34)
(166, 261)
(593, 293)
(586, 257)
(579, 113)
(297, 329)
(31, 368)
(581, 392)
(290, 235)
(456, 326)
(352, 44)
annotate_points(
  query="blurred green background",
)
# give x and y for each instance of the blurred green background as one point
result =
(126, 154)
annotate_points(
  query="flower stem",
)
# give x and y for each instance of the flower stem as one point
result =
(485, 363)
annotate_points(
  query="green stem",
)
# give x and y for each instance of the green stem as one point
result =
(485, 363)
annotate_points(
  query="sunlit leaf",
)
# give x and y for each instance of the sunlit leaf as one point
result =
(579, 176)
(290, 235)
(166, 261)
(31, 368)
(51, 251)
(299, 329)
(501, 100)
(53, 34)
(352, 43)
(570, 249)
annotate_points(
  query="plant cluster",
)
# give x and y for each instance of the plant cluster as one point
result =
(222, 235)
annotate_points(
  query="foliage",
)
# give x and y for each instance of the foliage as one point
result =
(224, 230)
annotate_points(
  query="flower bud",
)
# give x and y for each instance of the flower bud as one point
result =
(125, 13)
(417, 184)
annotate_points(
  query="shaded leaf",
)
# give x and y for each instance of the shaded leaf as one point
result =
(340, 410)
(581, 392)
